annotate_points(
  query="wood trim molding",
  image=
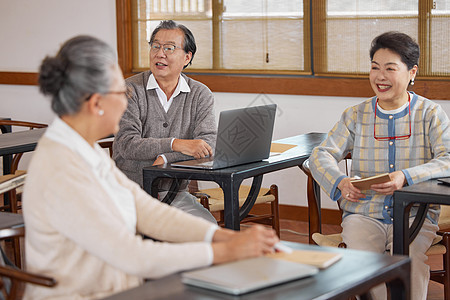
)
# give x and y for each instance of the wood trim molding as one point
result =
(286, 85)
(318, 86)
(19, 78)
(333, 87)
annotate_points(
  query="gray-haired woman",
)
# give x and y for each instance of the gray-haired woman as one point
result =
(83, 216)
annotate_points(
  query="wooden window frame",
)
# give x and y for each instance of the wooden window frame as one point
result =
(342, 86)
(345, 86)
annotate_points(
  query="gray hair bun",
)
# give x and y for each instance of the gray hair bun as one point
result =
(52, 75)
(83, 66)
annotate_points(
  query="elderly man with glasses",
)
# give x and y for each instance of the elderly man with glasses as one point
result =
(170, 117)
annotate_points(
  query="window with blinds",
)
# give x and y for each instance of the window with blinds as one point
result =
(230, 34)
(352, 24)
(319, 37)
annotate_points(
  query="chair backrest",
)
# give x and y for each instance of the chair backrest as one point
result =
(313, 197)
(107, 145)
(12, 278)
(444, 218)
(6, 124)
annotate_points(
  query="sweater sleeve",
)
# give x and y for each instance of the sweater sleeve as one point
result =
(162, 221)
(204, 123)
(437, 126)
(325, 157)
(86, 217)
(129, 142)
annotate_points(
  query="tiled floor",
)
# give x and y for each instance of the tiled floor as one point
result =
(295, 231)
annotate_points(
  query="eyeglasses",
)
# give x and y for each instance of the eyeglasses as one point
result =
(125, 93)
(167, 48)
(117, 93)
(389, 138)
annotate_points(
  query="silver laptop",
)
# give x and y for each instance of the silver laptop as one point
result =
(248, 275)
(244, 135)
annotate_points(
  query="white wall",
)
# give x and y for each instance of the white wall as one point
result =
(29, 30)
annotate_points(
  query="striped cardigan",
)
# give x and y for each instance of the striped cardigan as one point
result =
(425, 155)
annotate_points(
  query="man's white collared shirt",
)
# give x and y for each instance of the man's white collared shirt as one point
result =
(182, 86)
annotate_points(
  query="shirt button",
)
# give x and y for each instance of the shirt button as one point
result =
(391, 143)
(165, 124)
(391, 166)
(391, 117)
(386, 207)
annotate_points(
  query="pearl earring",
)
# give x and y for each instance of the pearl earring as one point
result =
(101, 112)
(412, 82)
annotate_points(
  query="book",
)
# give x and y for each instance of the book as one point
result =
(277, 148)
(365, 183)
(319, 259)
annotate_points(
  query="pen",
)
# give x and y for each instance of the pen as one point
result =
(282, 248)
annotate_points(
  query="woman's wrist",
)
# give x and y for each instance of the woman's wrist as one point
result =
(222, 235)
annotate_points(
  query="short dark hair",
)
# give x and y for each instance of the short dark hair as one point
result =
(400, 43)
(189, 40)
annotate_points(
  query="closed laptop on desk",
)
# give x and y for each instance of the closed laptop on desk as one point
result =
(244, 135)
(247, 275)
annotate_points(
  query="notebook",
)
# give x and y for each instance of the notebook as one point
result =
(248, 275)
(244, 135)
(320, 259)
(366, 183)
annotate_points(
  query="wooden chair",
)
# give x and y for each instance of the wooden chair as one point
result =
(213, 200)
(440, 246)
(16, 278)
(14, 195)
(107, 144)
(9, 186)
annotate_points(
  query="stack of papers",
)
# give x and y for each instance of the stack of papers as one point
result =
(319, 259)
(277, 148)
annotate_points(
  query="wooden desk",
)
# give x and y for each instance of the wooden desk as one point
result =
(20, 141)
(354, 274)
(17, 142)
(230, 179)
(424, 193)
(10, 221)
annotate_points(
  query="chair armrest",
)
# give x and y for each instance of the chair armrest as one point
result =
(12, 232)
(305, 168)
(11, 181)
(23, 124)
(199, 195)
(16, 274)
